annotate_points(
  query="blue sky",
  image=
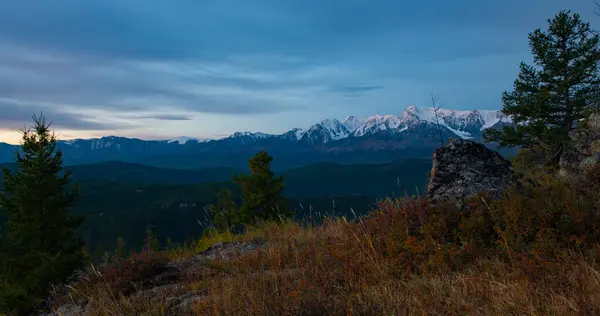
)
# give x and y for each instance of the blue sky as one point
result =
(207, 68)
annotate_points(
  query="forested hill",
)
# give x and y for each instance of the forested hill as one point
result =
(323, 179)
(121, 199)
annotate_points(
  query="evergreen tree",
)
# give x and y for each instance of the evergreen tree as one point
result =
(170, 244)
(558, 89)
(99, 253)
(39, 246)
(225, 212)
(121, 247)
(262, 191)
(151, 240)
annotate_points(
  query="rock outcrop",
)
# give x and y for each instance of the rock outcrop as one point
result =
(465, 168)
(168, 284)
(583, 152)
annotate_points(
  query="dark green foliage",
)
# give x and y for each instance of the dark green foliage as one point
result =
(379, 180)
(39, 246)
(170, 244)
(225, 213)
(531, 160)
(99, 253)
(124, 209)
(560, 87)
(121, 247)
(262, 192)
(151, 240)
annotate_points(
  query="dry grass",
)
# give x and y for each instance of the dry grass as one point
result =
(334, 270)
(408, 258)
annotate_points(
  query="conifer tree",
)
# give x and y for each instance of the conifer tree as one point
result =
(225, 212)
(121, 247)
(40, 246)
(557, 90)
(151, 242)
(170, 245)
(262, 191)
(99, 253)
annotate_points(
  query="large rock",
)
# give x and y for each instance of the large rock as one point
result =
(167, 287)
(583, 152)
(465, 168)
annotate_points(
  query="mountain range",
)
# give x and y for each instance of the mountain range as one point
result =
(380, 138)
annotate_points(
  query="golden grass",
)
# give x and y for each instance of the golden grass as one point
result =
(200, 245)
(335, 270)
(405, 259)
(332, 270)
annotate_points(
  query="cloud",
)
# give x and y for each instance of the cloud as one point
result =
(117, 65)
(166, 117)
(354, 90)
(16, 115)
(124, 85)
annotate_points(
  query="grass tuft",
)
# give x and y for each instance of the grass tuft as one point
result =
(532, 252)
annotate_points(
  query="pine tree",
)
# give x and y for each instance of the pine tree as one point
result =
(151, 240)
(225, 212)
(40, 246)
(99, 253)
(121, 247)
(262, 192)
(170, 245)
(557, 90)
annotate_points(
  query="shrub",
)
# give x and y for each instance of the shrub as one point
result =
(542, 221)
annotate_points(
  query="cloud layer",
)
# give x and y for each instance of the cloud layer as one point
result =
(206, 68)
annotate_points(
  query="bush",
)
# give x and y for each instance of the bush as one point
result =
(543, 221)
(12, 295)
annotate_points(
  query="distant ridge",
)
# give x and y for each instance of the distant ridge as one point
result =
(414, 133)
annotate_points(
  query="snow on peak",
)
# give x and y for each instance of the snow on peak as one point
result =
(412, 110)
(457, 118)
(464, 123)
(249, 134)
(328, 129)
(352, 123)
(70, 141)
(298, 132)
(378, 123)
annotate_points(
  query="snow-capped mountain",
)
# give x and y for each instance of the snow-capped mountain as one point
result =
(463, 124)
(412, 133)
(324, 131)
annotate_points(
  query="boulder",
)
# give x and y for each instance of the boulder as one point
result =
(583, 152)
(168, 284)
(465, 168)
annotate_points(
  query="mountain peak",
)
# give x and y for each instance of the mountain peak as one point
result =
(412, 109)
(352, 123)
(250, 134)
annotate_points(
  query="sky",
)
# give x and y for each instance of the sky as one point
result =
(207, 68)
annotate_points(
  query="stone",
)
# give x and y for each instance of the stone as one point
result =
(168, 282)
(465, 168)
(226, 250)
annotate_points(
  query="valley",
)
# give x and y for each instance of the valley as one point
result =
(122, 199)
(332, 167)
